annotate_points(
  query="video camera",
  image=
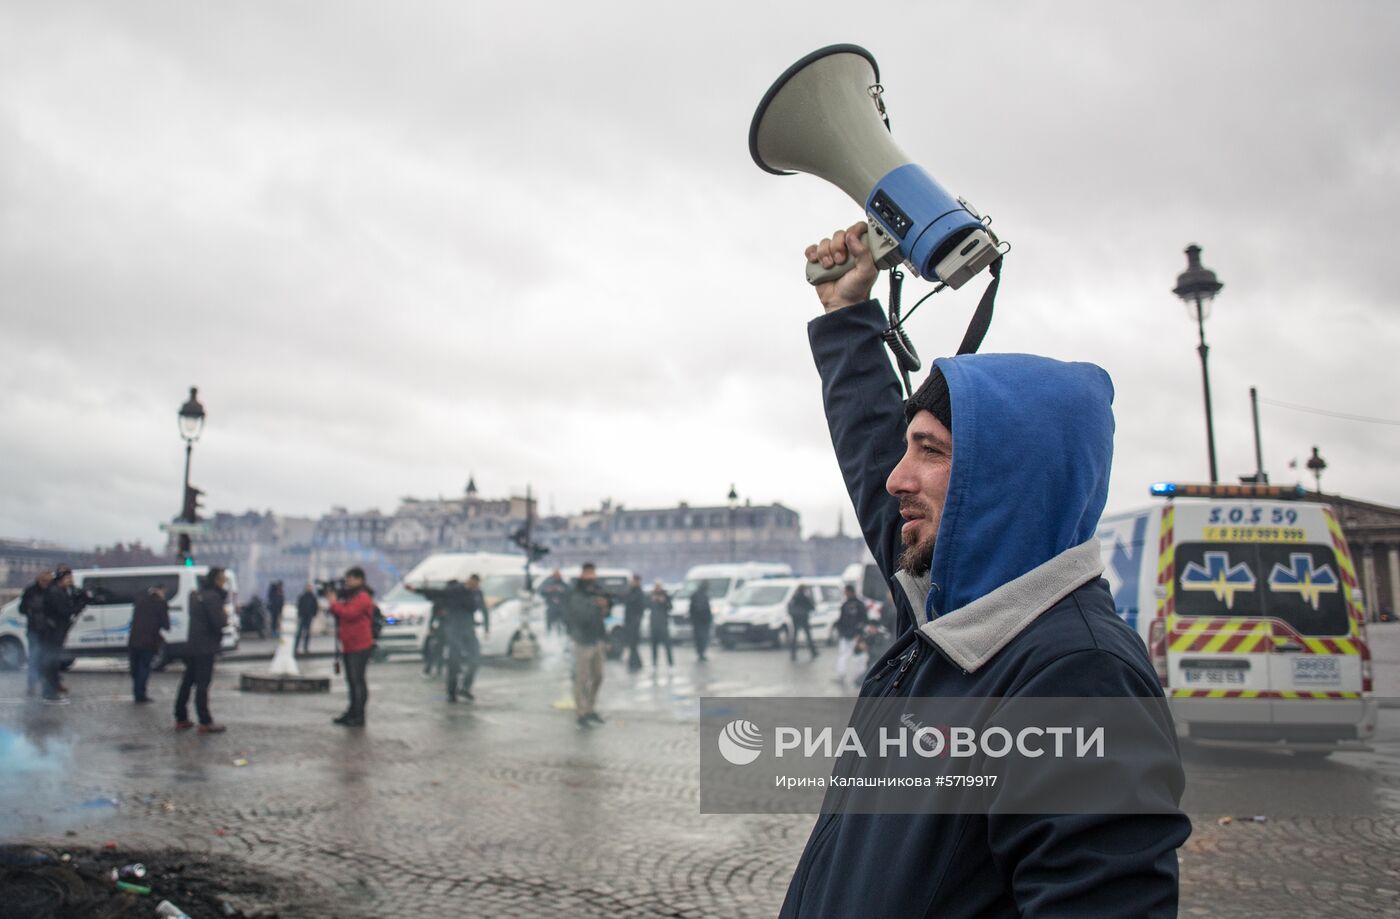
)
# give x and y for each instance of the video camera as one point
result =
(326, 588)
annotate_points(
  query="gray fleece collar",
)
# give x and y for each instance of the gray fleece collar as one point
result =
(972, 635)
(915, 591)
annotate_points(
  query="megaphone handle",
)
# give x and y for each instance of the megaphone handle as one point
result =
(884, 248)
(816, 274)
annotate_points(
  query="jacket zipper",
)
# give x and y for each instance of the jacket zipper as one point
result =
(904, 667)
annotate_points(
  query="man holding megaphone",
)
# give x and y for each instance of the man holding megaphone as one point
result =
(978, 496)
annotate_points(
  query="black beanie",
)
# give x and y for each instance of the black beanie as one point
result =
(932, 397)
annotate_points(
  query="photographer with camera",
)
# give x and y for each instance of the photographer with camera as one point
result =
(353, 608)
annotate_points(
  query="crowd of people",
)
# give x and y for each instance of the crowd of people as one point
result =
(579, 610)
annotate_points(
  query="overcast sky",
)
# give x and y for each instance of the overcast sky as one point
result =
(393, 243)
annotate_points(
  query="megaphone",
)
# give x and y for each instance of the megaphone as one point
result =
(825, 116)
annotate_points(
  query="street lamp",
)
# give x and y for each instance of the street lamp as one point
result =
(733, 504)
(1316, 463)
(191, 419)
(1197, 287)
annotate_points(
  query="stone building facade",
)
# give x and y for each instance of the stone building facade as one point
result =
(22, 560)
(259, 547)
(1373, 535)
(657, 542)
(664, 542)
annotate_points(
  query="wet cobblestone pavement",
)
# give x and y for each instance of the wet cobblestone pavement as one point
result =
(504, 808)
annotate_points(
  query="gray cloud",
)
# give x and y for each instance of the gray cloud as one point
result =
(394, 243)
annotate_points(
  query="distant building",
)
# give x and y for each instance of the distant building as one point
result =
(421, 527)
(258, 547)
(657, 542)
(1373, 536)
(22, 560)
(665, 542)
(342, 539)
(833, 554)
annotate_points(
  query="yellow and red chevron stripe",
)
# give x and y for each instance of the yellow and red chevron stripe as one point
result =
(1238, 635)
(1221, 635)
(1348, 569)
(1257, 694)
(1166, 566)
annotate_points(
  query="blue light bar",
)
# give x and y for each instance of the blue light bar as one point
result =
(1247, 491)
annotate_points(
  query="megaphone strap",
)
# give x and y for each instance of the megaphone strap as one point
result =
(906, 358)
(982, 318)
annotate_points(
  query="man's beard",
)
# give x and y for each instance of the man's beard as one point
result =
(918, 556)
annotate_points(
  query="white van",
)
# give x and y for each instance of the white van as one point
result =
(758, 611)
(104, 625)
(513, 612)
(1248, 602)
(868, 582)
(723, 580)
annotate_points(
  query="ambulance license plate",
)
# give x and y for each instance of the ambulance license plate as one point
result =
(1214, 677)
(1317, 670)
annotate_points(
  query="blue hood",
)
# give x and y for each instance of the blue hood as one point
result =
(1032, 447)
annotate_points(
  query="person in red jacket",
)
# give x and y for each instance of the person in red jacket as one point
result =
(353, 609)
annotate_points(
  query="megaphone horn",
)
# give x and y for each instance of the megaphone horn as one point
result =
(825, 116)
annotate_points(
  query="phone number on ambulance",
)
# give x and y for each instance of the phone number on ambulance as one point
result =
(965, 781)
(1255, 534)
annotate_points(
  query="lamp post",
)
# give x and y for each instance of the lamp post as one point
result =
(1316, 463)
(191, 420)
(733, 504)
(1197, 287)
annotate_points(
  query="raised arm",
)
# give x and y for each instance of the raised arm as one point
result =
(860, 392)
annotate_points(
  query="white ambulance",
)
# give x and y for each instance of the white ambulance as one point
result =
(1249, 604)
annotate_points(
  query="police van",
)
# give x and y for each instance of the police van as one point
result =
(408, 615)
(1248, 601)
(722, 582)
(104, 625)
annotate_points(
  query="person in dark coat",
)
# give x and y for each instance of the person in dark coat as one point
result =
(554, 591)
(702, 619)
(207, 620)
(307, 607)
(659, 603)
(889, 615)
(800, 609)
(276, 599)
(586, 610)
(63, 604)
(460, 604)
(435, 642)
(634, 606)
(979, 498)
(150, 617)
(850, 625)
(31, 607)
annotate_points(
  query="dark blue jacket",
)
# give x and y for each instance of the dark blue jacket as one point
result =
(1013, 606)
